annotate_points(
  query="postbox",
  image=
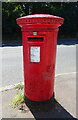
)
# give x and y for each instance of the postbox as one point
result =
(39, 39)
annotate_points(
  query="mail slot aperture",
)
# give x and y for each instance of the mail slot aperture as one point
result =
(35, 39)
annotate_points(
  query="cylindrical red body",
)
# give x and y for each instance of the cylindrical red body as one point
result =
(39, 38)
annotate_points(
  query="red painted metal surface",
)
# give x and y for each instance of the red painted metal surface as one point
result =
(39, 76)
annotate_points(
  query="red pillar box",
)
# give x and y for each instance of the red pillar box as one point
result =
(39, 38)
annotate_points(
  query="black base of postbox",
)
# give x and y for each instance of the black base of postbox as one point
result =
(28, 101)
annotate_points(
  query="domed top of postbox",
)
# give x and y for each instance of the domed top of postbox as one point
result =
(40, 19)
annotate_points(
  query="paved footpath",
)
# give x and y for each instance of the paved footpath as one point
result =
(63, 106)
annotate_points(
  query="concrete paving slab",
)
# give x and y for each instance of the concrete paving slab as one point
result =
(65, 92)
(64, 106)
(7, 110)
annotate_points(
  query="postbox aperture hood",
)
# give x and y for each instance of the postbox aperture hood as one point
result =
(40, 19)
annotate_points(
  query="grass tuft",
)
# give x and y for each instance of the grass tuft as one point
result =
(17, 100)
(19, 86)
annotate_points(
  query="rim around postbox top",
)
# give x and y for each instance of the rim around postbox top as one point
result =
(40, 16)
(40, 19)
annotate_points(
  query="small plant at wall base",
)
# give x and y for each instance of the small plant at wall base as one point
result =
(17, 100)
(19, 86)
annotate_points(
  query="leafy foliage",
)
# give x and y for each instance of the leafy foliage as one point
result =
(67, 10)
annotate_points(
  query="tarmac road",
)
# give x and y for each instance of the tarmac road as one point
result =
(12, 63)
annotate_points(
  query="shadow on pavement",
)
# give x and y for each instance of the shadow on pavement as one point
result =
(67, 41)
(49, 109)
(11, 43)
(59, 42)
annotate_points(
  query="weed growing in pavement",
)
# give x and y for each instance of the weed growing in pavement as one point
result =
(19, 86)
(4, 90)
(17, 100)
